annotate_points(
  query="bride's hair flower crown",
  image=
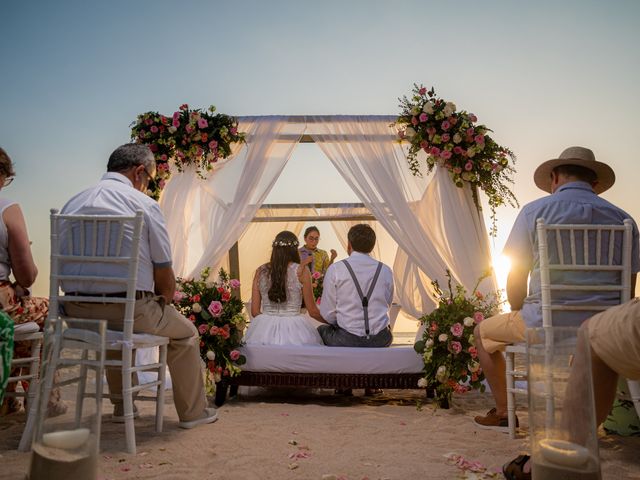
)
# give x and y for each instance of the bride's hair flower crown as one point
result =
(285, 243)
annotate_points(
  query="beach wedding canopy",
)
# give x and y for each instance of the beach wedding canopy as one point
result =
(435, 224)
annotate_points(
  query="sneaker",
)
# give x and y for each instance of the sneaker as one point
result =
(491, 421)
(118, 413)
(209, 415)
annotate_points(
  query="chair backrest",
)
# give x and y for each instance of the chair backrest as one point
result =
(94, 253)
(586, 249)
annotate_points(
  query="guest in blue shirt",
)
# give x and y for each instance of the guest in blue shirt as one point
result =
(575, 180)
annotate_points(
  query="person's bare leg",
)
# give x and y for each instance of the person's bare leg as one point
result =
(494, 368)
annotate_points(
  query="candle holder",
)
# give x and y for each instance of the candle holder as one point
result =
(562, 420)
(67, 445)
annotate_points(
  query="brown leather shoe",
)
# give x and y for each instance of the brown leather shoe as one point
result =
(491, 421)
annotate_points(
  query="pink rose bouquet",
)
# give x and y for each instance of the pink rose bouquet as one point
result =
(188, 137)
(217, 314)
(447, 344)
(451, 138)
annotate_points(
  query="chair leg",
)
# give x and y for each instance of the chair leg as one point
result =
(511, 397)
(162, 375)
(31, 397)
(82, 386)
(127, 401)
(634, 391)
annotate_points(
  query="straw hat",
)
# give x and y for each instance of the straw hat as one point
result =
(582, 157)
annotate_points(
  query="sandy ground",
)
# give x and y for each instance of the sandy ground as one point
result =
(308, 435)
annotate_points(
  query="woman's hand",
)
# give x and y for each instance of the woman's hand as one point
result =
(334, 254)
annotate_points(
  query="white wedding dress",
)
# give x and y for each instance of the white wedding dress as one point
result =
(282, 323)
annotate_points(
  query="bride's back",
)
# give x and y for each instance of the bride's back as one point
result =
(293, 288)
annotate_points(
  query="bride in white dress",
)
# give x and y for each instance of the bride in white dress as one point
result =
(278, 289)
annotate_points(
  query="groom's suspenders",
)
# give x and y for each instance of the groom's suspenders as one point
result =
(365, 298)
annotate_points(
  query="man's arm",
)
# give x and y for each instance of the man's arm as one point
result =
(517, 286)
(328, 303)
(164, 282)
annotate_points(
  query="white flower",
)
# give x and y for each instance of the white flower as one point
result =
(217, 377)
(471, 152)
(196, 307)
(443, 337)
(422, 383)
(409, 133)
(473, 367)
(468, 321)
(428, 343)
(172, 129)
(415, 110)
(428, 108)
(211, 355)
(457, 138)
(449, 108)
(441, 374)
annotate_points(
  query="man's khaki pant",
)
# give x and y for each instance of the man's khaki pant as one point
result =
(183, 356)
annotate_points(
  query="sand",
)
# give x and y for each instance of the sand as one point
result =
(311, 435)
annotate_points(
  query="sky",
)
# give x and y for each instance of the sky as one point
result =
(542, 75)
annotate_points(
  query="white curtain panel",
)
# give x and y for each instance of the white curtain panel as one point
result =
(206, 217)
(363, 149)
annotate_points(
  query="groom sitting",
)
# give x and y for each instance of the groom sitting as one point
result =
(356, 296)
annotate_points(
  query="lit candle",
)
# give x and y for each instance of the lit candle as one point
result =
(66, 439)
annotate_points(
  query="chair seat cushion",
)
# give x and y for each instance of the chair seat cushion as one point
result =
(23, 328)
(140, 340)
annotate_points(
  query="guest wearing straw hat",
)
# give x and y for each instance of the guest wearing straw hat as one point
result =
(575, 180)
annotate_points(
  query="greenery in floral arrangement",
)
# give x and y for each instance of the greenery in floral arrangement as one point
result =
(217, 315)
(447, 345)
(454, 140)
(188, 137)
(317, 280)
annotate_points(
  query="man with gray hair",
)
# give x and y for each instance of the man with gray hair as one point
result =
(120, 192)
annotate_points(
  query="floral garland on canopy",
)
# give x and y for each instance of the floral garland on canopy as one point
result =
(217, 314)
(454, 140)
(447, 344)
(188, 137)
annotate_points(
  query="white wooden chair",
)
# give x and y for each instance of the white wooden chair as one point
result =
(91, 243)
(586, 248)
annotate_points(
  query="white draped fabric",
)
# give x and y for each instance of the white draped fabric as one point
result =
(436, 229)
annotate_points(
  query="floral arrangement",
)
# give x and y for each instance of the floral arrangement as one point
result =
(317, 280)
(454, 140)
(217, 315)
(188, 137)
(447, 345)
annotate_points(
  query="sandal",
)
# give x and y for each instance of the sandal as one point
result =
(513, 469)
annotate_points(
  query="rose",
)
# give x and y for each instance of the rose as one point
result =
(443, 337)
(154, 129)
(445, 137)
(196, 307)
(473, 351)
(428, 343)
(422, 90)
(457, 329)
(202, 329)
(234, 283)
(423, 383)
(441, 373)
(468, 166)
(178, 296)
(195, 298)
(234, 355)
(456, 347)
(478, 317)
(215, 308)
(449, 108)
(214, 330)
(473, 118)
(409, 133)
(446, 125)
(316, 275)
(445, 154)
(211, 355)
(226, 296)
(415, 110)
(457, 138)
(468, 321)
(202, 123)
(423, 117)
(428, 108)
(479, 139)
(435, 151)
(473, 367)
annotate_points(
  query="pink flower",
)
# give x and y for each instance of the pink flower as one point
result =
(154, 129)
(164, 158)
(215, 308)
(445, 137)
(214, 330)
(234, 355)
(213, 144)
(202, 329)
(423, 118)
(456, 347)
(446, 125)
(473, 118)
(234, 283)
(176, 116)
(478, 317)
(202, 123)
(431, 131)
(457, 150)
(153, 147)
(457, 170)
(433, 327)
(478, 294)
(424, 145)
(468, 166)
(473, 351)
(469, 132)
(233, 131)
(414, 121)
(422, 91)
(479, 139)
(316, 275)
(175, 123)
(457, 329)
(195, 298)
(446, 154)
(192, 318)
(178, 296)
(226, 296)
(184, 106)
(435, 151)
(189, 128)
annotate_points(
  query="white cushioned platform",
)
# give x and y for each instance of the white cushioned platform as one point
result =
(321, 359)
